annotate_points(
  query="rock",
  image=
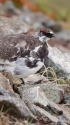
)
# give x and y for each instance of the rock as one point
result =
(12, 26)
(61, 123)
(58, 61)
(44, 116)
(34, 79)
(36, 101)
(38, 19)
(67, 98)
(64, 34)
(61, 41)
(17, 81)
(10, 9)
(36, 96)
(5, 83)
(62, 44)
(39, 104)
(67, 94)
(65, 118)
(12, 101)
(51, 90)
(56, 27)
(33, 19)
(1, 9)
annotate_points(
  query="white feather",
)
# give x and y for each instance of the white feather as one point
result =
(18, 68)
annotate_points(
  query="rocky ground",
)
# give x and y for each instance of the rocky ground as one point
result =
(42, 98)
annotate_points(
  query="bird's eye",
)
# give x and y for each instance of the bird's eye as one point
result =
(43, 33)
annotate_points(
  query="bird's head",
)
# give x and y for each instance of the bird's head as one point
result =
(44, 34)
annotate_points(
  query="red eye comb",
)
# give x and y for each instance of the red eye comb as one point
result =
(42, 30)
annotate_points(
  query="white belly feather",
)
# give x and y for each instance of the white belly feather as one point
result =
(18, 68)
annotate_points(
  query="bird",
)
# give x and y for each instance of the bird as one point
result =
(23, 54)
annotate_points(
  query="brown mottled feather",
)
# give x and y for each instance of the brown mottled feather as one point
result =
(9, 50)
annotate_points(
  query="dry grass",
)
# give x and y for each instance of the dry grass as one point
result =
(6, 119)
(52, 76)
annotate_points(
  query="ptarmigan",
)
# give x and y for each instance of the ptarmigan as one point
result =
(23, 54)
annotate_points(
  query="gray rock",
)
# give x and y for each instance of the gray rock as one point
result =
(64, 34)
(12, 101)
(61, 123)
(5, 83)
(12, 26)
(38, 19)
(67, 98)
(59, 61)
(37, 103)
(2, 12)
(45, 116)
(66, 94)
(51, 90)
(10, 8)
(36, 96)
(34, 79)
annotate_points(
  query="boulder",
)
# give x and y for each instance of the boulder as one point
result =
(59, 61)
(12, 101)
(10, 26)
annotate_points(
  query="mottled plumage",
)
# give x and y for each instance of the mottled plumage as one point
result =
(22, 53)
